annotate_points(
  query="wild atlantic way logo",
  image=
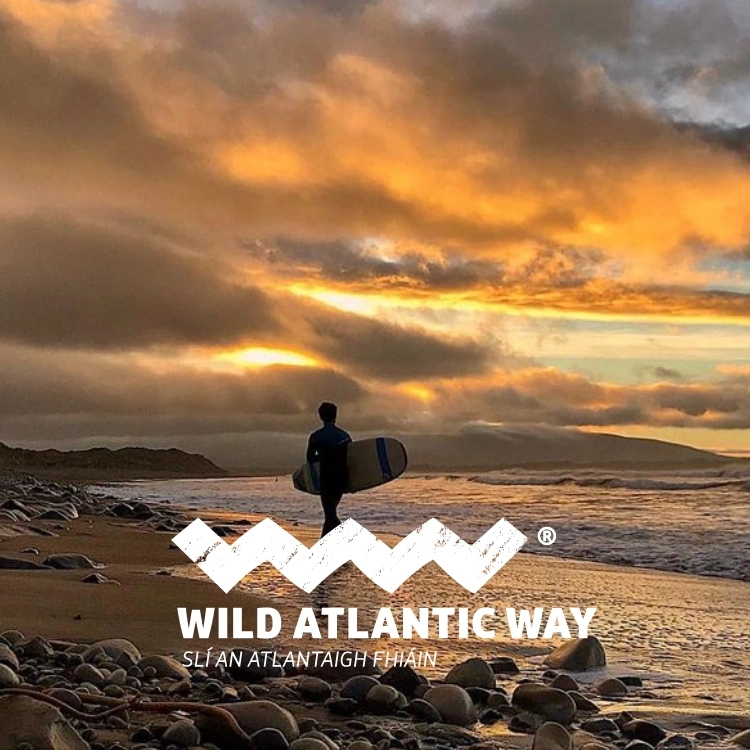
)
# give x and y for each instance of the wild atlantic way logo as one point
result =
(470, 565)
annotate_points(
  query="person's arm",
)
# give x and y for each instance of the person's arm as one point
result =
(312, 451)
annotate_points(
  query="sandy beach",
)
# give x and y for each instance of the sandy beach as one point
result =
(148, 579)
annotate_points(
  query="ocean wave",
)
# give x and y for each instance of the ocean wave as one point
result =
(611, 482)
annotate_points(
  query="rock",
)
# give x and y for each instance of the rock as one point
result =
(308, 743)
(12, 637)
(552, 736)
(263, 714)
(612, 688)
(446, 735)
(343, 671)
(583, 703)
(358, 687)
(564, 682)
(165, 666)
(554, 705)
(182, 733)
(676, 742)
(424, 711)
(645, 731)
(579, 655)
(316, 735)
(99, 578)
(453, 703)
(8, 678)
(39, 725)
(8, 657)
(12, 563)
(269, 739)
(67, 696)
(600, 725)
(36, 647)
(638, 745)
(404, 679)
(360, 745)
(70, 561)
(114, 648)
(88, 673)
(472, 673)
(314, 689)
(742, 739)
(243, 666)
(382, 699)
(497, 700)
(503, 665)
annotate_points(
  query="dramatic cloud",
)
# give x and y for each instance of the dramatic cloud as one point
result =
(196, 196)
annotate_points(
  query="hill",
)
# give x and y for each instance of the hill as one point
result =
(484, 448)
(104, 463)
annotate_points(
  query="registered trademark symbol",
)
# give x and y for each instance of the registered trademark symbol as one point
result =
(546, 536)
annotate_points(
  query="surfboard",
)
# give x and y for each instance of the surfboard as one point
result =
(369, 463)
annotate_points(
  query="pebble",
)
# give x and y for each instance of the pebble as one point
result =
(472, 673)
(182, 733)
(358, 687)
(646, 731)
(551, 703)
(552, 736)
(453, 703)
(269, 739)
(382, 699)
(313, 688)
(612, 688)
(578, 655)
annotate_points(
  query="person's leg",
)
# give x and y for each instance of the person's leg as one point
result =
(330, 502)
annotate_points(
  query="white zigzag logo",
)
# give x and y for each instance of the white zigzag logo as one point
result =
(469, 565)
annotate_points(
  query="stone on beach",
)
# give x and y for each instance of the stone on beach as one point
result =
(262, 714)
(8, 657)
(313, 688)
(453, 703)
(579, 655)
(552, 704)
(404, 679)
(39, 725)
(382, 699)
(552, 736)
(358, 687)
(182, 733)
(165, 666)
(13, 563)
(472, 673)
(71, 561)
(115, 649)
(646, 731)
(612, 688)
(8, 678)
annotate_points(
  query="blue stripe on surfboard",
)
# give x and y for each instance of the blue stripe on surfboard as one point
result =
(385, 464)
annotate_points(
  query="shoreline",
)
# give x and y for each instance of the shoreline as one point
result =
(152, 579)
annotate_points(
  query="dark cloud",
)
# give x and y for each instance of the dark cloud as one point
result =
(36, 383)
(68, 284)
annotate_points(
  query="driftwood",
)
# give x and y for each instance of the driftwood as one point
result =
(220, 717)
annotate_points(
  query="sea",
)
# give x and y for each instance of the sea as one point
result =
(663, 556)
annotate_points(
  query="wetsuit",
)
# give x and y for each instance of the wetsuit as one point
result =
(328, 445)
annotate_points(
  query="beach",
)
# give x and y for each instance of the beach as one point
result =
(677, 640)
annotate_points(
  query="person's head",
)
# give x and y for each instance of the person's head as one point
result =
(327, 412)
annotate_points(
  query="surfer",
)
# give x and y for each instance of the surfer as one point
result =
(328, 445)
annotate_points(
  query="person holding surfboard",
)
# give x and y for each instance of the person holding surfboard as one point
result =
(328, 445)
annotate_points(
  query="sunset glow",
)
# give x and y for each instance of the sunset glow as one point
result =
(495, 213)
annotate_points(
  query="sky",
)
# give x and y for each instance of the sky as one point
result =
(214, 215)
